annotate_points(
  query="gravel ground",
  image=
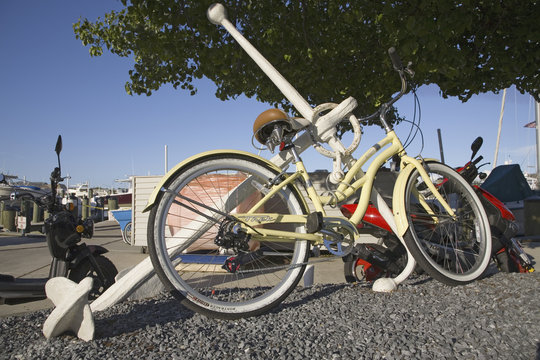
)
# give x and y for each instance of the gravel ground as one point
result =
(494, 318)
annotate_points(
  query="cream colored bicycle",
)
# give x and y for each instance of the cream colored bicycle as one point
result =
(230, 233)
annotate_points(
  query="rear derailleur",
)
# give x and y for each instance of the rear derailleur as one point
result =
(231, 237)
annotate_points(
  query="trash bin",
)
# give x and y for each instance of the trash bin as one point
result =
(8, 219)
(113, 204)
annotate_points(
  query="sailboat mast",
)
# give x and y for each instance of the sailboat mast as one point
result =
(537, 111)
(499, 131)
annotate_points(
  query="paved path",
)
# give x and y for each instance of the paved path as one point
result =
(28, 257)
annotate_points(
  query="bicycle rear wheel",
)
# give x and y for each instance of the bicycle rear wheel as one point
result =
(453, 251)
(198, 257)
(126, 234)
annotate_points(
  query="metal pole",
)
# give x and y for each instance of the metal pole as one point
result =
(166, 160)
(440, 145)
(499, 131)
(90, 196)
(537, 108)
(35, 213)
(85, 204)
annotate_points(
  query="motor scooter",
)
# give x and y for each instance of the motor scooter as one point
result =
(369, 262)
(70, 258)
(508, 252)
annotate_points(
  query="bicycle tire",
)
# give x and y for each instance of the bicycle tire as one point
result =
(452, 251)
(223, 182)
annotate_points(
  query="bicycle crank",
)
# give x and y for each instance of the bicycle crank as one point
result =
(339, 236)
(336, 243)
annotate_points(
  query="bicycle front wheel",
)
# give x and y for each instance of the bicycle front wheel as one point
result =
(456, 250)
(199, 257)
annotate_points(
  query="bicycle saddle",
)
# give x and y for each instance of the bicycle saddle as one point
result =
(265, 122)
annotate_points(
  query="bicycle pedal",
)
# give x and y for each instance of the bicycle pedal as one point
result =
(314, 222)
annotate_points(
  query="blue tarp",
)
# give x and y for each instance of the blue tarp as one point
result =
(507, 183)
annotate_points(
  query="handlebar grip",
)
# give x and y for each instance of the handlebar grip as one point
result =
(396, 61)
(478, 160)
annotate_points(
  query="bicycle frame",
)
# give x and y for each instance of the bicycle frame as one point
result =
(346, 189)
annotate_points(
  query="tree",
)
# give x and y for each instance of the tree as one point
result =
(327, 49)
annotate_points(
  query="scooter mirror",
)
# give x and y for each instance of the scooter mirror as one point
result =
(58, 147)
(476, 145)
(2, 178)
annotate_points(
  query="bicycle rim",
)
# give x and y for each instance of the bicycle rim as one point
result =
(183, 240)
(453, 251)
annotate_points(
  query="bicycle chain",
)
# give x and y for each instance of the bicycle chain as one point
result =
(288, 267)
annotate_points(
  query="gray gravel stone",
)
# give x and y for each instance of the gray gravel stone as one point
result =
(496, 317)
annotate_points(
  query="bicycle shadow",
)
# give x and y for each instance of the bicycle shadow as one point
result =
(147, 313)
(152, 312)
(159, 311)
(311, 294)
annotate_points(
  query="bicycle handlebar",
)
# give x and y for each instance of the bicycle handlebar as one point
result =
(398, 66)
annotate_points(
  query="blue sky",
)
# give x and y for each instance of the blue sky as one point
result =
(50, 85)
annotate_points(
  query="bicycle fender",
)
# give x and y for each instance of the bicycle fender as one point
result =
(167, 178)
(398, 199)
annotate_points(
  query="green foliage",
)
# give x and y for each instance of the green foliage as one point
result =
(327, 49)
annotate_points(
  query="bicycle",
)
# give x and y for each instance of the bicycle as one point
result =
(230, 232)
